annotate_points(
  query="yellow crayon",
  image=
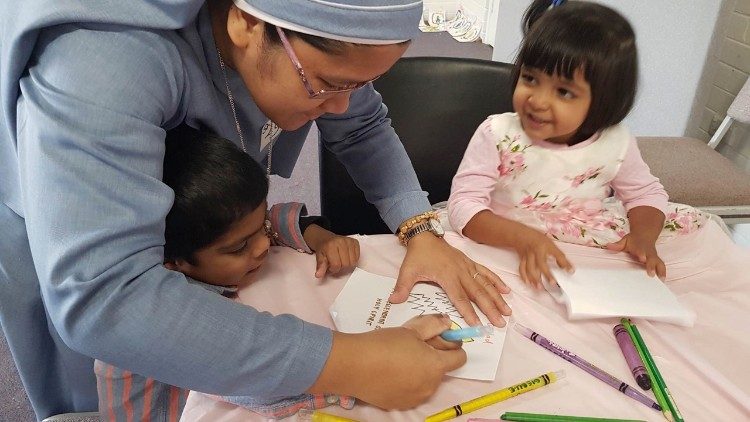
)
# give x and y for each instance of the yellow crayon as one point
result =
(318, 416)
(496, 397)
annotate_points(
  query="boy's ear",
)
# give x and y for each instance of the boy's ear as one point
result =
(179, 265)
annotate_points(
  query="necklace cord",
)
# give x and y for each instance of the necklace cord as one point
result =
(236, 120)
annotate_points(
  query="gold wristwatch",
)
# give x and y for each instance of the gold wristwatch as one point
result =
(426, 222)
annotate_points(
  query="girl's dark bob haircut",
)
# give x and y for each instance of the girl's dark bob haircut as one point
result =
(589, 36)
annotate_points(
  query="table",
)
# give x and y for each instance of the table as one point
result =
(707, 367)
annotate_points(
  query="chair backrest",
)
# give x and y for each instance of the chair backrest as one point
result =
(435, 105)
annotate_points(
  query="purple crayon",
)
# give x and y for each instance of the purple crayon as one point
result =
(632, 357)
(591, 369)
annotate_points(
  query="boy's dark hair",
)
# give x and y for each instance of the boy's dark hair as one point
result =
(581, 34)
(215, 185)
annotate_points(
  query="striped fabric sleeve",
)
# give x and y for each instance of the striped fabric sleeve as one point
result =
(126, 397)
(285, 228)
(289, 406)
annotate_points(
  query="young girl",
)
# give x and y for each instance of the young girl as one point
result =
(562, 166)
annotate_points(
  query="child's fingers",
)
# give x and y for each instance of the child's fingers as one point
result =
(532, 270)
(655, 267)
(321, 265)
(522, 270)
(562, 260)
(661, 269)
(546, 273)
(334, 260)
(618, 246)
(350, 252)
(353, 250)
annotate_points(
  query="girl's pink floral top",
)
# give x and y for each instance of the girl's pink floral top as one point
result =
(578, 194)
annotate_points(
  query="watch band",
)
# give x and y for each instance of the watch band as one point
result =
(421, 223)
(407, 225)
(417, 229)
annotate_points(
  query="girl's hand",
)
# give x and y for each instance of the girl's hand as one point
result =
(534, 250)
(430, 258)
(644, 251)
(333, 253)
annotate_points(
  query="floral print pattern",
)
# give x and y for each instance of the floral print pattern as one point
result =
(684, 220)
(511, 156)
(591, 173)
(566, 194)
(574, 220)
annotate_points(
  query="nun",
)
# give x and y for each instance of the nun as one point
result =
(87, 92)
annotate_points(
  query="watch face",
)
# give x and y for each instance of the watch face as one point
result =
(437, 228)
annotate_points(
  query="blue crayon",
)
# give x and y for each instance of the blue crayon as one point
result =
(468, 332)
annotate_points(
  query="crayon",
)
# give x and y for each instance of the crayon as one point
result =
(654, 372)
(533, 417)
(591, 369)
(318, 416)
(465, 333)
(495, 397)
(658, 393)
(632, 357)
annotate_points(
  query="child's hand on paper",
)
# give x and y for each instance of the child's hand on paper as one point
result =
(333, 253)
(534, 249)
(644, 251)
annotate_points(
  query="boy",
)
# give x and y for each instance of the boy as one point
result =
(217, 233)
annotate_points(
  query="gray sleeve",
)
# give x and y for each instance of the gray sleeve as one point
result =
(90, 157)
(364, 141)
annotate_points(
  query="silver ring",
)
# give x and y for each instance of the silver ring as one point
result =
(474, 277)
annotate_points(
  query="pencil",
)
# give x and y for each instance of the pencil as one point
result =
(654, 373)
(533, 417)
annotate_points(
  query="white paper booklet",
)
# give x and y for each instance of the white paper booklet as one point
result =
(363, 306)
(598, 293)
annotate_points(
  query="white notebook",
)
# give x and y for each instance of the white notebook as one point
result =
(363, 306)
(598, 293)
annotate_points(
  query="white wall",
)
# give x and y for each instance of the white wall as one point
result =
(490, 29)
(673, 39)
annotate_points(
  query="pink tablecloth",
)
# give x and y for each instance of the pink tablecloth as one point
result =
(707, 367)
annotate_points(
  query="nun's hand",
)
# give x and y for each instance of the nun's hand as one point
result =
(430, 258)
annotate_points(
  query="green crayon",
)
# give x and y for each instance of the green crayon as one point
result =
(533, 417)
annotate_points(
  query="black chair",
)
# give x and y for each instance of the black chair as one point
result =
(435, 104)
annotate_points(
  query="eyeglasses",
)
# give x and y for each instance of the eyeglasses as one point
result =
(310, 91)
